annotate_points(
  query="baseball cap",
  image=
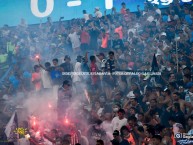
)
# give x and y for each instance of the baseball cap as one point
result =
(116, 132)
(184, 66)
(163, 34)
(130, 95)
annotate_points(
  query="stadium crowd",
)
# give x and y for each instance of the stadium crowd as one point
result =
(125, 109)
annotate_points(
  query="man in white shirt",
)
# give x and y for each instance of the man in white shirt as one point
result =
(75, 40)
(86, 16)
(189, 93)
(98, 13)
(106, 125)
(46, 80)
(120, 120)
(77, 79)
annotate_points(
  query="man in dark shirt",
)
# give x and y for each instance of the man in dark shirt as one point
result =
(67, 68)
(110, 68)
(94, 69)
(139, 98)
(56, 72)
(94, 33)
(153, 108)
(64, 97)
(136, 105)
(177, 114)
(96, 133)
(118, 138)
(117, 42)
(111, 63)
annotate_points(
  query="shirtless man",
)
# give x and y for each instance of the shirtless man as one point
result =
(183, 103)
(167, 99)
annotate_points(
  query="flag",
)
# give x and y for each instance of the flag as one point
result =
(11, 127)
(154, 65)
(55, 74)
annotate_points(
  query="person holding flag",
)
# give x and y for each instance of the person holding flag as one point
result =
(154, 68)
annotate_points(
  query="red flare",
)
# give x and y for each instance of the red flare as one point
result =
(34, 123)
(38, 132)
(49, 105)
(66, 121)
(87, 96)
(37, 57)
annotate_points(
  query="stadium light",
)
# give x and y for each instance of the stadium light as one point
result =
(74, 3)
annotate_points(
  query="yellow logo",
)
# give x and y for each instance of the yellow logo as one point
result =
(21, 131)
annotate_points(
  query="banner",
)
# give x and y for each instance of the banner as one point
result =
(11, 11)
(11, 128)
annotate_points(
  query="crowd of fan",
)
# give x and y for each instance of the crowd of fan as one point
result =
(125, 109)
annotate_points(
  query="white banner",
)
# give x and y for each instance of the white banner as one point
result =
(11, 127)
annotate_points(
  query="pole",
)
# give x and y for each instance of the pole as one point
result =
(177, 55)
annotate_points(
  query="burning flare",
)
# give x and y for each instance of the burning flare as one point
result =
(49, 105)
(87, 96)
